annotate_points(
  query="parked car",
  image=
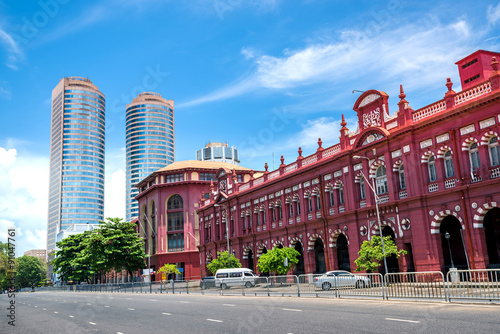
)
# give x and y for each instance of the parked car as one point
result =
(341, 278)
(225, 278)
(207, 282)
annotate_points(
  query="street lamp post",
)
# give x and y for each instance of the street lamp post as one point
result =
(372, 187)
(447, 236)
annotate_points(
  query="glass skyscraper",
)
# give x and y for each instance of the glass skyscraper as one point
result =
(149, 142)
(76, 188)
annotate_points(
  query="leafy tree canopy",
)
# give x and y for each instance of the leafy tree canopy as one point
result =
(68, 263)
(31, 270)
(114, 245)
(371, 255)
(274, 260)
(223, 261)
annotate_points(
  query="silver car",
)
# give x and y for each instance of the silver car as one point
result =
(341, 278)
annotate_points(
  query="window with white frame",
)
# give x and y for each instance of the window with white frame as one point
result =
(280, 212)
(331, 195)
(309, 204)
(475, 161)
(274, 214)
(381, 181)
(290, 209)
(318, 202)
(341, 194)
(448, 165)
(297, 209)
(402, 180)
(362, 188)
(431, 166)
(494, 151)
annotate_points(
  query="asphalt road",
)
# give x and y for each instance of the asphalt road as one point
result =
(72, 312)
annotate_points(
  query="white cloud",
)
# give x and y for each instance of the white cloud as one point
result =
(493, 14)
(419, 55)
(115, 195)
(14, 52)
(23, 198)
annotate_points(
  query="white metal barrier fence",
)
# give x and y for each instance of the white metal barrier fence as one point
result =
(433, 285)
(415, 285)
(474, 284)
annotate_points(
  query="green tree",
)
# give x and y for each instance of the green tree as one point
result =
(274, 260)
(31, 271)
(68, 262)
(168, 269)
(223, 261)
(4, 267)
(115, 245)
(371, 255)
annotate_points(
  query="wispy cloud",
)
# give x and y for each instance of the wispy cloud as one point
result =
(4, 91)
(493, 14)
(14, 52)
(419, 50)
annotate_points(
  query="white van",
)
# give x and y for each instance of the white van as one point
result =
(225, 278)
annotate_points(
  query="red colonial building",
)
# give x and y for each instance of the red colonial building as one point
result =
(168, 221)
(435, 170)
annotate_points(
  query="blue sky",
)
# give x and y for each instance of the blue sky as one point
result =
(266, 76)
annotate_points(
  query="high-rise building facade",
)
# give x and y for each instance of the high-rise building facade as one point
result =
(218, 152)
(149, 142)
(76, 189)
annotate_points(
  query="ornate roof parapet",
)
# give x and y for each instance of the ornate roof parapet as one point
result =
(495, 75)
(344, 134)
(405, 111)
(449, 97)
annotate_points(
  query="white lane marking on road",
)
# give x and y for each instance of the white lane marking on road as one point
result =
(184, 302)
(71, 316)
(167, 313)
(45, 309)
(92, 323)
(152, 300)
(403, 320)
(56, 312)
(214, 320)
(129, 298)
(75, 302)
(88, 304)
(228, 304)
(107, 306)
(119, 333)
(131, 309)
(36, 306)
(291, 309)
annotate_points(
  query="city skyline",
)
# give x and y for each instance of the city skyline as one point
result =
(265, 76)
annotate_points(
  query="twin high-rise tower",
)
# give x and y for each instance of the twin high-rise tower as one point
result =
(76, 185)
(149, 137)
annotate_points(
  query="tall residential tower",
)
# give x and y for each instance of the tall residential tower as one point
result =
(76, 189)
(149, 142)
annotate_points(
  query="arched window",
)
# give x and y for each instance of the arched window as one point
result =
(290, 209)
(330, 194)
(402, 180)
(381, 181)
(175, 224)
(309, 204)
(431, 165)
(175, 202)
(318, 202)
(341, 194)
(494, 151)
(448, 165)
(475, 162)
(362, 188)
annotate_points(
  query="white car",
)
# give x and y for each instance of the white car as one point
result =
(341, 278)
